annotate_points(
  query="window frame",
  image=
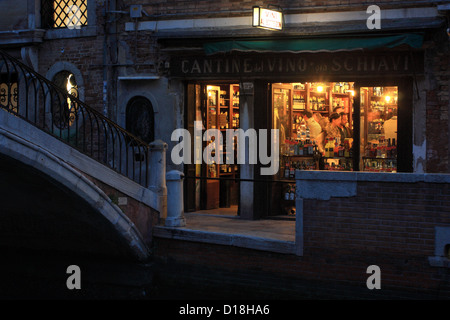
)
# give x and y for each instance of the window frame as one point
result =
(129, 112)
(405, 118)
(88, 30)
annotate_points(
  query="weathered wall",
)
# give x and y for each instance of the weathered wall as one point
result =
(388, 224)
(131, 53)
(187, 7)
(437, 103)
(17, 17)
(140, 214)
(86, 53)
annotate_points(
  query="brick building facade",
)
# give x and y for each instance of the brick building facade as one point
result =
(398, 226)
(139, 49)
(104, 61)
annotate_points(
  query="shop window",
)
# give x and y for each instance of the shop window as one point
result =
(321, 130)
(9, 92)
(378, 148)
(140, 119)
(64, 109)
(71, 14)
(317, 127)
(315, 120)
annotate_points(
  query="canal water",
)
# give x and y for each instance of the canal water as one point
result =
(28, 274)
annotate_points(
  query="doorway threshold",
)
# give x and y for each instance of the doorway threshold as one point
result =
(226, 229)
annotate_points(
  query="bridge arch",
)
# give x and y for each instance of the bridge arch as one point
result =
(118, 236)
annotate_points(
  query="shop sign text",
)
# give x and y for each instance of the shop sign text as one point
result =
(351, 64)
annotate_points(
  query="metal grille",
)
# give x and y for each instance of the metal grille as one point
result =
(8, 91)
(140, 119)
(65, 117)
(70, 14)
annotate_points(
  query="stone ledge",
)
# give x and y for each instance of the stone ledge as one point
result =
(402, 177)
(236, 240)
(22, 37)
(439, 262)
(63, 33)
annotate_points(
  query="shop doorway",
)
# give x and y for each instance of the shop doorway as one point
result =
(215, 188)
(316, 127)
(335, 126)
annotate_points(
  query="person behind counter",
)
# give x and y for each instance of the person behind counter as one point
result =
(333, 128)
(330, 130)
(346, 132)
(390, 126)
(314, 128)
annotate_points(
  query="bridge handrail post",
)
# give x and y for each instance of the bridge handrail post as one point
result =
(157, 168)
(175, 206)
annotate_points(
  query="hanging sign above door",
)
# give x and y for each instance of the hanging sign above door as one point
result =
(267, 19)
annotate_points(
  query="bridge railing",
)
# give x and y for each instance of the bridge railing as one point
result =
(30, 96)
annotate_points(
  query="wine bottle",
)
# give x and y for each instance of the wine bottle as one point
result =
(287, 193)
(286, 170)
(292, 172)
(292, 193)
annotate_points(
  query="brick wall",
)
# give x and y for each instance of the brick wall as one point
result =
(141, 53)
(386, 224)
(86, 55)
(181, 7)
(438, 103)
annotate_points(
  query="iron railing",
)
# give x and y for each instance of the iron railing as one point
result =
(30, 96)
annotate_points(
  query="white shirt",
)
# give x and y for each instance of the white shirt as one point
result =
(314, 128)
(390, 128)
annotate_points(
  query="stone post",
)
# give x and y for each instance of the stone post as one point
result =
(175, 206)
(158, 174)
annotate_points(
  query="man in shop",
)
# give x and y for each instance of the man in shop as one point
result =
(314, 128)
(346, 132)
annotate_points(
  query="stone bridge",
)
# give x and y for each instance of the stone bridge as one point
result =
(54, 197)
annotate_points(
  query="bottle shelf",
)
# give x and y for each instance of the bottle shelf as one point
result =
(379, 158)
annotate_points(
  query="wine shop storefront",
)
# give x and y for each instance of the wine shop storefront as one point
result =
(339, 104)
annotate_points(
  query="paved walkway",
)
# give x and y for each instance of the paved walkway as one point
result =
(223, 226)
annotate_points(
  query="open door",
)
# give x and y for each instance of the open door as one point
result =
(192, 188)
(211, 187)
(282, 113)
(282, 120)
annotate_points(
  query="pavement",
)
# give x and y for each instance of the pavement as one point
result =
(224, 226)
(225, 220)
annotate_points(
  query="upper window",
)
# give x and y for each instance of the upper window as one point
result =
(71, 14)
